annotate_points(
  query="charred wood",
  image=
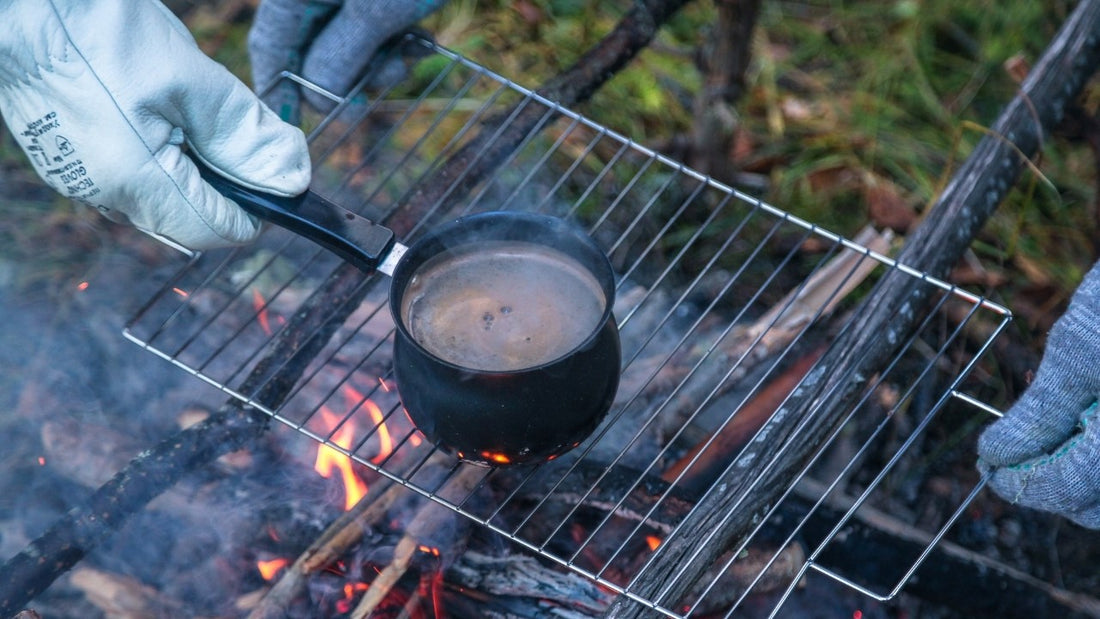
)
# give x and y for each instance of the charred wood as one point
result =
(750, 487)
(522, 585)
(701, 465)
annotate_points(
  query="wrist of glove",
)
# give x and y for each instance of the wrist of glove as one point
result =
(102, 94)
(331, 43)
(1045, 452)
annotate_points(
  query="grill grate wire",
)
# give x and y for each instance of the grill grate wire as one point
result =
(708, 281)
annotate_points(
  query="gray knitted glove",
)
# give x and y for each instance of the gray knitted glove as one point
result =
(331, 43)
(1045, 452)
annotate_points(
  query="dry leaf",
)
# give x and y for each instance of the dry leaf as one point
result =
(885, 205)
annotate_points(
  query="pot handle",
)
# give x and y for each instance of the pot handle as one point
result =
(356, 239)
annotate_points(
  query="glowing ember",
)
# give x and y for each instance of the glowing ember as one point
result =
(495, 457)
(350, 591)
(652, 541)
(330, 460)
(41, 461)
(82, 286)
(429, 550)
(268, 569)
(181, 292)
(385, 387)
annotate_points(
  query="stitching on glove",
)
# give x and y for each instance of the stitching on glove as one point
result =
(99, 80)
(1061, 451)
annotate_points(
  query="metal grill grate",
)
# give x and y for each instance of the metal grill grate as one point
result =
(722, 299)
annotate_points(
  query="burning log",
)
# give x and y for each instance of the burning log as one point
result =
(337, 539)
(341, 535)
(430, 517)
(754, 482)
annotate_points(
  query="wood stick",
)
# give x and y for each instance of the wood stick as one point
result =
(342, 534)
(753, 483)
(429, 518)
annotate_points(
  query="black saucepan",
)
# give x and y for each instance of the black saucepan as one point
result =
(506, 350)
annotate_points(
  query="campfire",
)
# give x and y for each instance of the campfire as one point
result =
(725, 305)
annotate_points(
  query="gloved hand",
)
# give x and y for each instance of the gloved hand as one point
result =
(101, 94)
(1045, 452)
(331, 43)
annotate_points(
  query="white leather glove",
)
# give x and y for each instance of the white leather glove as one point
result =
(101, 94)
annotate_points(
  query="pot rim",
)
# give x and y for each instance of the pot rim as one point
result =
(606, 281)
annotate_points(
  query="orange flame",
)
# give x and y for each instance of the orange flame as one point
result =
(330, 459)
(431, 550)
(652, 541)
(385, 441)
(268, 569)
(260, 305)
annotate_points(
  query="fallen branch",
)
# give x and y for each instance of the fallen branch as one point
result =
(753, 483)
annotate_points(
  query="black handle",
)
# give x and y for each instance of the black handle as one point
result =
(356, 239)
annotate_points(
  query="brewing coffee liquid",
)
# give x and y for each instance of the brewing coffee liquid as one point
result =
(502, 305)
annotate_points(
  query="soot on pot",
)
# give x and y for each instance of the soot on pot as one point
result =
(501, 306)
